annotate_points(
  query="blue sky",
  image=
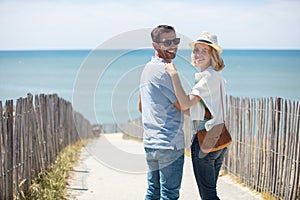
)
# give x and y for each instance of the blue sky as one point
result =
(66, 24)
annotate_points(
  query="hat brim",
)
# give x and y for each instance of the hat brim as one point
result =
(216, 47)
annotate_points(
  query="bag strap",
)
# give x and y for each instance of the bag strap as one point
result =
(222, 101)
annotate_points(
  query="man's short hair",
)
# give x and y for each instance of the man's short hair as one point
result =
(157, 31)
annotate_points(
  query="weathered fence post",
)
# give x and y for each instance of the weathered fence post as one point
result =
(2, 180)
(8, 134)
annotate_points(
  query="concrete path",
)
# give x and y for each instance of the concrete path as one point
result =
(111, 168)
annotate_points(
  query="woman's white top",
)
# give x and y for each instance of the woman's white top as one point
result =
(209, 85)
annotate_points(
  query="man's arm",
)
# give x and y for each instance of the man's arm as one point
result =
(140, 102)
(177, 105)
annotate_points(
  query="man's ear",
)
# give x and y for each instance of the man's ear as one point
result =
(155, 45)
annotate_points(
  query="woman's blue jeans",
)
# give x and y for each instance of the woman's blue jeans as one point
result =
(165, 173)
(206, 170)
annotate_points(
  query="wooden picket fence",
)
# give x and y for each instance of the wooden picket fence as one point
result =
(265, 152)
(32, 134)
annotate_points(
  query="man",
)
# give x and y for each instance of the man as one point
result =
(162, 119)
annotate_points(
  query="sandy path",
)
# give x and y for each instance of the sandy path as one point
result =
(111, 168)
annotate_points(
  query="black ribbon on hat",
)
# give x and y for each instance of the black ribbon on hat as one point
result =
(204, 41)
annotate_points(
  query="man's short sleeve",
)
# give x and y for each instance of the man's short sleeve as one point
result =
(166, 88)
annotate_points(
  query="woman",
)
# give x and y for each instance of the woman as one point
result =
(206, 105)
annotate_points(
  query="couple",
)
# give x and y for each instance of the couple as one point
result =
(163, 101)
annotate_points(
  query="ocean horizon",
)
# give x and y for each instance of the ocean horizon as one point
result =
(105, 82)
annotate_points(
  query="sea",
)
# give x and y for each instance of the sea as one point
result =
(103, 84)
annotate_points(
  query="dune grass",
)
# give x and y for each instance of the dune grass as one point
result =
(268, 196)
(51, 184)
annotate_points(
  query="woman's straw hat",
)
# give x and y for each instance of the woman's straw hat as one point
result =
(209, 39)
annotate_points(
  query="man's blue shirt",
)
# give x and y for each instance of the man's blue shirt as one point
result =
(162, 121)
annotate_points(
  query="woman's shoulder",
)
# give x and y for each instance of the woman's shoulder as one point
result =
(206, 75)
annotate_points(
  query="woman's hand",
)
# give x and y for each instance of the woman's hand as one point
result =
(170, 69)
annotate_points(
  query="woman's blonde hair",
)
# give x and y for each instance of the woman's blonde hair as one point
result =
(216, 60)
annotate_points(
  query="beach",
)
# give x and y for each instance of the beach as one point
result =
(92, 178)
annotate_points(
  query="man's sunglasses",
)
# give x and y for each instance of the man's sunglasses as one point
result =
(167, 43)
